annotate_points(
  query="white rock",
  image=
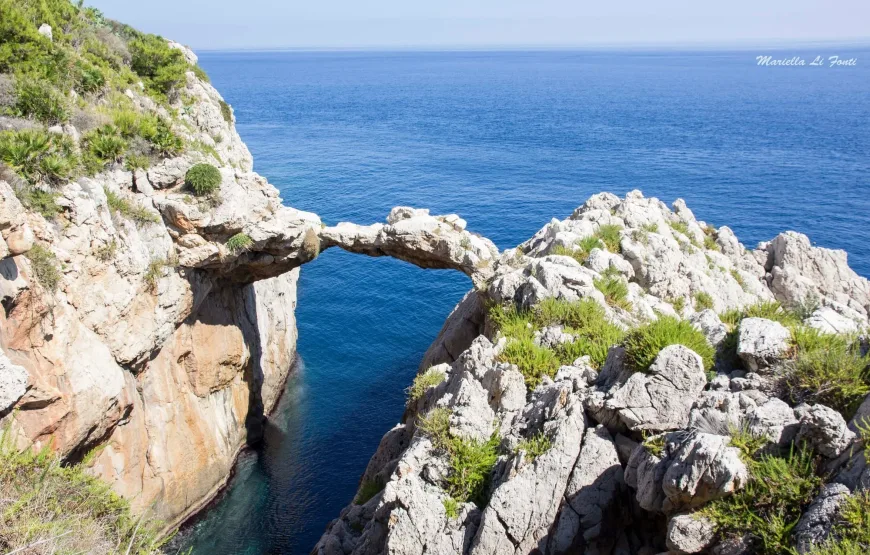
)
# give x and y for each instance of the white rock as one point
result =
(762, 342)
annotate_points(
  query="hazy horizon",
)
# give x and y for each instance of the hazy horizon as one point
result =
(495, 24)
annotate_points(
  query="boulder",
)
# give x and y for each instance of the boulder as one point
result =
(13, 383)
(815, 524)
(708, 323)
(824, 429)
(762, 343)
(774, 420)
(690, 533)
(662, 398)
(45, 31)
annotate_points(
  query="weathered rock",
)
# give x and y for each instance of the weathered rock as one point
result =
(708, 323)
(662, 398)
(774, 420)
(762, 343)
(13, 382)
(828, 320)
(691, 469)
(690, 533)
(45, 31)
(824, 429)
(816, 523)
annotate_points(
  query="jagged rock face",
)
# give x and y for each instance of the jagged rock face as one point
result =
(606, 484)
(153, 355)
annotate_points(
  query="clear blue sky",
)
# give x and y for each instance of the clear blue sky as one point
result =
(214, 24)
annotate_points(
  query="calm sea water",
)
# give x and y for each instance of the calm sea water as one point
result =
(508, 140)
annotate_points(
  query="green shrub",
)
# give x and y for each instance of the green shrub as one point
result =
(851, 532)
(162, 68)
(226, 112)
(535, 446)
(610, 236)
(650, 228)
(583, 247)
(39, 156)
(164, 141)
(239, 242)
(828, 369)
(471, 463)
(533, 361)
(41, 202)
(643, 344)
(451, 507)
(45, 266)
(615, 291)
(133, 162)
(40, 100)
(156, 269)
(655, 444)
(138, 214)
(680, 227)
(201, 74)
(710, 243)
(679, 304)
(767, 509)
(703, 301)
(75, 512)
(436, 426)
(738, 278)
(105, 144)
(204, 179)
(368, 489)
(422, 382)
(771, 310)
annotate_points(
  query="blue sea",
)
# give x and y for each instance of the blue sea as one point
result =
(508, 140)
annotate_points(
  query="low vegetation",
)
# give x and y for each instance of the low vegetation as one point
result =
(368, 489)
(46, 507)
(703, 301)
(451, 507)
(643, 344)
(203, 179)
(239, 243)
(584, 319)
(614, 289)
(767, 509)
(535, 446)
(471, 461)
(851, 532)
(422, 382)
(581, 250)
(38, 156)
(156, 270)
(45, 266)
(123, 207)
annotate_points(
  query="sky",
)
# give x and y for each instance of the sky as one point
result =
(264, 24)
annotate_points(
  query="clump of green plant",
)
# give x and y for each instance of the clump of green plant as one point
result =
(226, 112)
(239, 243)
(65, 508)
(106, 252)
(533, 361)
(850, 534)
(610, 236)
(102, 146)
(422, 382)
(748, 443)
(650, 227)
(710, 243)
(643, 344)
(204, 179)
(770, 310)
(39, 201)
(615, 291)
(161, 67)
(39, 99)
(38, 156)
(828, 369)
(451, 507)
(156, 269)
(471, 461)
(138, 214)
(45, 266)
(703, 301)
(738, 278)
(655, 444)
(368, 489)
(679, 304)
(582, 249)
(679, 227)
(535, 446)
(767, 509)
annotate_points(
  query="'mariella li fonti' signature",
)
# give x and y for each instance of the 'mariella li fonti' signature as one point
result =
(818, 61)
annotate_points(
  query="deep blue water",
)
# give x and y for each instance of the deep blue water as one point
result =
(507, 140)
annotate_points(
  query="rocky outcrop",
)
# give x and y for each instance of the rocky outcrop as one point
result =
(628, 459)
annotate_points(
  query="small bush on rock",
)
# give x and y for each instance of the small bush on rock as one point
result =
(533, 361)
(851, 532)
(226, 112)
(770, 505)
(451, 507)
(703, 301)
(422, 382)
(204, 179)
(615, 291)
(44, 265)
(138, 214)
(239, 242)
(40, 100)
(609, 235)
(536, 445)
(643, 344)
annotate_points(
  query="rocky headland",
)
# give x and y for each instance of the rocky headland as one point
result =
(621, 382)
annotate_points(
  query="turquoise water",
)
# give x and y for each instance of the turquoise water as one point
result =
(508, 140)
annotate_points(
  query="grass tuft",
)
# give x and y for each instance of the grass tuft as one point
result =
(138, 214)
(451, 507)
(422, 382)
(615, 291)
(703, 301)
(45, 266)
(535, 446)
(239, 243)
(643, 344)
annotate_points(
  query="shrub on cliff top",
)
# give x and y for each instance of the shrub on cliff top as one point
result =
(643, 344)
(204, 179)
(49, 508)
(422, 382)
